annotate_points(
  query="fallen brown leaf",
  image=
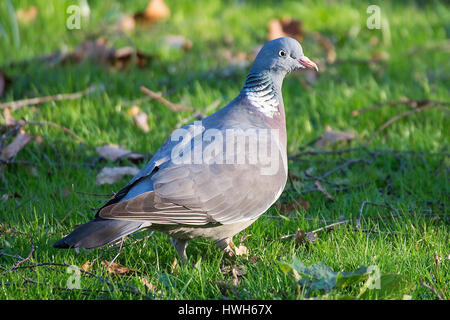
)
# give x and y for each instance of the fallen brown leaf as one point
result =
(117, 269)
(241, 250)
(287, 208)
(157, 10)
(113, 153)
(112, 175)
(174, 266)
(27, 15)
(121, 58)
(331, 137)
(149, 285)
(139, 117)
(18, 143)
(285, 27)
(86, 266)
(98, 52)
(303, 237)
(10, 121)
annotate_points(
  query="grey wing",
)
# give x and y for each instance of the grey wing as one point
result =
(201, 194)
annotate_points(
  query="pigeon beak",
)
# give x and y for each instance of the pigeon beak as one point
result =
(305, 62)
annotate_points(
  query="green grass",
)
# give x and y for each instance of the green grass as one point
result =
(412, 182)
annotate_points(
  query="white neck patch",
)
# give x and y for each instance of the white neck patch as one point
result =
(260, 91)
(267, 105)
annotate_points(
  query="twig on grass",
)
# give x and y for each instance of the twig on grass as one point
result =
(18, 263)
(415, 104)
(432, 289)
(402, 115)
(14, 105)
(38, 123)
(122, 246)
(132, 289)
(118, 253)
(323, 152)
(160, 98)
(311, 234)
(342, 166)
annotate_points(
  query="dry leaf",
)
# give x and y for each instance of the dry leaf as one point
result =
(27, 15)
(285, 27)
(330, 137)
(18, 143)
(121, 58)
(174, 265)
(97, 52)
(140, 118)
(157, 10)
(303, 237)
(9, 119)
(178, 42)
(112, 175)
(117, 269)
(287, 208)
(113, 152)
(149, 285)
(86, 266)
(241, 250)
(141, 121)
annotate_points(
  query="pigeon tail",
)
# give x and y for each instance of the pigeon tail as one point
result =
(97, 233)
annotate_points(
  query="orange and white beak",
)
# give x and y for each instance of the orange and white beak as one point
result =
(305, 62)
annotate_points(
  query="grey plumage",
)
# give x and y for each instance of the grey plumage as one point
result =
(216, 197)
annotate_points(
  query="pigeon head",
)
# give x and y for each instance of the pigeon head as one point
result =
(281, 56)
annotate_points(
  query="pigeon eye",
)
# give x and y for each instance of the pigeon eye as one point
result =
(282, 53)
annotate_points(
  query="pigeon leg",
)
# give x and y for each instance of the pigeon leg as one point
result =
(180, 246)
(227, 245)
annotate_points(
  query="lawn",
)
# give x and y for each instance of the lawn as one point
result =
(387, 184)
